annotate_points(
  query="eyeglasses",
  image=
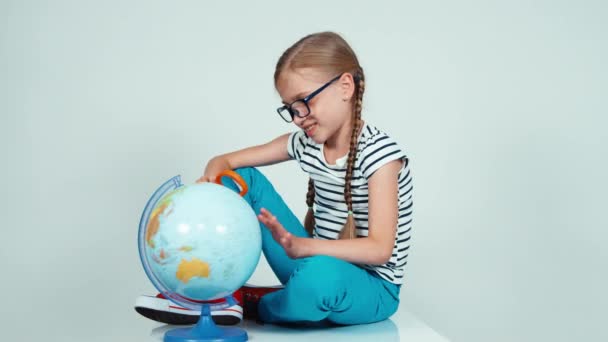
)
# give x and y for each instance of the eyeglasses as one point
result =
(300, 107)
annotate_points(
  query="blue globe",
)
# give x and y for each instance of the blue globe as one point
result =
(198, 242)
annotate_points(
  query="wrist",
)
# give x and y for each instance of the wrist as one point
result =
(308, 247)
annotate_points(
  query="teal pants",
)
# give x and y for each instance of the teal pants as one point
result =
(317, 288)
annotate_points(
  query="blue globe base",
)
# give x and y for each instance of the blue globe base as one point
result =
(206, 330)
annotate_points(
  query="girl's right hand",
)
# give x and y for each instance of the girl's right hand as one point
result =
(214, 167)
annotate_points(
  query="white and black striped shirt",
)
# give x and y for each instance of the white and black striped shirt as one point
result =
(375, 149)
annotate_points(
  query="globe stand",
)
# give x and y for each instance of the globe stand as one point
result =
(206, 330)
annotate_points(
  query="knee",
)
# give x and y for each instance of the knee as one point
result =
(247, 172)
(251, 175)
(257, 183)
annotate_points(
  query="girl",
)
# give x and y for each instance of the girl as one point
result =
(346, 263)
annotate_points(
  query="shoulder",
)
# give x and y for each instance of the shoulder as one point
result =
(377, 148)
(372, 137)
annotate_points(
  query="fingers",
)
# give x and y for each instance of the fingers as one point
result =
(268, 221)
(271, 222)
(279, 233)
(268, 217)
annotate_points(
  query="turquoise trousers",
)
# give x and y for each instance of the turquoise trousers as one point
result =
(317, 288)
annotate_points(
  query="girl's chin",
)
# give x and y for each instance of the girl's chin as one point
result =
(316, 139)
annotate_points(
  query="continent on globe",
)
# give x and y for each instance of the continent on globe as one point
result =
(193, 268)
(154, 223)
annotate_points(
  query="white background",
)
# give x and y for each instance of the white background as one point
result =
(501, 107)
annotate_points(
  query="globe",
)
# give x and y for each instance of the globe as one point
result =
(198, 243)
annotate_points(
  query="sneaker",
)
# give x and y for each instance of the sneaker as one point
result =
(251, 295)
(163, 310)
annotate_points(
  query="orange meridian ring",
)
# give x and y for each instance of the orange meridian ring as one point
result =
(236, 177)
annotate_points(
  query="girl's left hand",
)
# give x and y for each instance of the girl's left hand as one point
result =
(293, 245)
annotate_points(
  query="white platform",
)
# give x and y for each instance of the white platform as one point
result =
(402, 326)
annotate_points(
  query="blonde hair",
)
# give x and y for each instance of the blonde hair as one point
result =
(330, 53)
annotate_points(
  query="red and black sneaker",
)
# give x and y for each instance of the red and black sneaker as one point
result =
(251, 295)
(165, 311)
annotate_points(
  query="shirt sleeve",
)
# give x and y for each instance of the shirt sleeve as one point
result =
(295, 144)
(379, 151)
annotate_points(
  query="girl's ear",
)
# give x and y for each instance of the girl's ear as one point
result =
(347, 86)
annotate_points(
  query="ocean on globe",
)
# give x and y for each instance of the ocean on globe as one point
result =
(201, 242)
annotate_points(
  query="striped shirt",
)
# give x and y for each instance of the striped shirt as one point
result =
(375, 149)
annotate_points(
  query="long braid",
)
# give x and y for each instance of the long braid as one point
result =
(309, 220)
(349, 231)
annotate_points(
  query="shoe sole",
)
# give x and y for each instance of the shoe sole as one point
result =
(164, 311)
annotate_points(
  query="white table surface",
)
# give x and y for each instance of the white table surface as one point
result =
(402, 326)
